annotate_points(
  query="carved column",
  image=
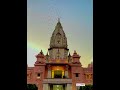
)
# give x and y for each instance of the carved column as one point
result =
(65, 86)
(66, 71)
(49, 71)
(45, 87)
(69, 86)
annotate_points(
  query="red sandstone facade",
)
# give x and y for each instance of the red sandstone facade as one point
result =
(57, 67)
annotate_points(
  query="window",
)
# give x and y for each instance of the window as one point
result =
(38, 74)
(77, 74)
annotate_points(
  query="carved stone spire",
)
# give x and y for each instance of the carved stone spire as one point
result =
(41, 52)
(58, 42)
(58, 38)
(69, 55)
(47, 54)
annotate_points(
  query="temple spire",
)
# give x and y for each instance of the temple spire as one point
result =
(75, 52)
(41, 52)
(47, 54)
(69, 54)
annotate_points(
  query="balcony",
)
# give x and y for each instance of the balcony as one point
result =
(57, 81)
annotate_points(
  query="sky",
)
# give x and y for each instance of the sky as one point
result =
(76, 17)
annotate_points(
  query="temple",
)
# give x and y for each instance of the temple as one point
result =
(58, 69)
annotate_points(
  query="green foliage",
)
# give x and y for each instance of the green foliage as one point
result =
(32, 87)
(86, 87)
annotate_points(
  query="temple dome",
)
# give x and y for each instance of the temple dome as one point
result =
(58, 38)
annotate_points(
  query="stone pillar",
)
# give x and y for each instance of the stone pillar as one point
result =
(66, 74)
(49, 72)
(45, 87)
(66, 71)
(65, 86)
(78, 87)
(48, 86)
(69, 86)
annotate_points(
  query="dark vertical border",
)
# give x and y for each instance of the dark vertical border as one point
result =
(21, 61)
(104, 45)
(98, 50)
(13, 44)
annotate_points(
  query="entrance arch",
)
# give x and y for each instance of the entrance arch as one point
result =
(58, 71)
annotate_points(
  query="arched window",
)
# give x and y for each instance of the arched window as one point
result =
(38, 75)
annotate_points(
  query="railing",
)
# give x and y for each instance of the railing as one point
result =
(57, 81)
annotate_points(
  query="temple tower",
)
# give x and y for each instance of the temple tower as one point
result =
(58, 43)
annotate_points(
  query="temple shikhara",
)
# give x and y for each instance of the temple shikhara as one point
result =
(58, 69)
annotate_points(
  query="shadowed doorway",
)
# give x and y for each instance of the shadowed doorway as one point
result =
(57, 74)
(57, 87)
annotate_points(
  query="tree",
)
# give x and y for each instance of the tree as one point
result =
(86, 87)
(32, 87)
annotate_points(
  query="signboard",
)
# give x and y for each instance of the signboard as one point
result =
(80, 84)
